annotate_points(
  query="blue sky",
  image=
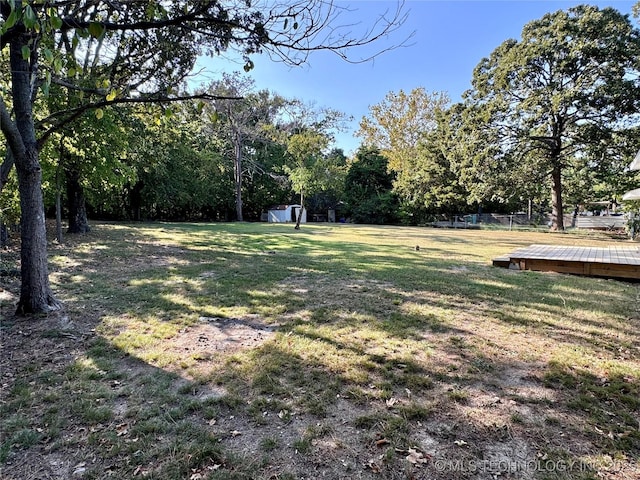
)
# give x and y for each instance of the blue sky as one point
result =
(450, 39)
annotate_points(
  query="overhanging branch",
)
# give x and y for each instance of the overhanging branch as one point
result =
(68, 116)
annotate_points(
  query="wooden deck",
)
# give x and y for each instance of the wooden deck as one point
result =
(611, 262)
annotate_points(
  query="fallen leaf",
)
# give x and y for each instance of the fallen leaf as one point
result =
(373, 466)
(80, 469)
(122, 429)
(416, 457)
(382, 442)
(212, 421)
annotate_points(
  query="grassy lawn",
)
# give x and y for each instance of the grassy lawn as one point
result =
(193, 351)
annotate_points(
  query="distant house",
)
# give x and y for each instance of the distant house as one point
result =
(286, 214)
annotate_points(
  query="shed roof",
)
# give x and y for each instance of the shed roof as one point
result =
(632, 195)
(282, 207)
(635, 165)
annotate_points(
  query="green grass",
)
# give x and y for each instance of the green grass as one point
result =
(367, 348)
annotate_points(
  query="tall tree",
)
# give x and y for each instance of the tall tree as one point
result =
(305, 149)
(571, 81)
(434, 185)
(489, 173)
(173, 34)
(398, 124)
(369, 188)
(240, 116)
(308, 133)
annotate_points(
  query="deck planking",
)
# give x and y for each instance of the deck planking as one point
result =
(614, 261)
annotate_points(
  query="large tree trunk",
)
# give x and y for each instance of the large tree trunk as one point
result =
(35, 291)
(557, 211)
(76, 203)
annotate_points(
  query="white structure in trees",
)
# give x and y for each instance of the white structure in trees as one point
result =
(633, 194)
(286, 214)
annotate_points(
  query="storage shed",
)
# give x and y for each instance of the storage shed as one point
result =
(286, 214)
(633, 194)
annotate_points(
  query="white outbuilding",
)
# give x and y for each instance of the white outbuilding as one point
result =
(286, 214)
(633, 194)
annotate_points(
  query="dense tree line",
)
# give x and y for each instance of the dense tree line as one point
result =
(551, 119)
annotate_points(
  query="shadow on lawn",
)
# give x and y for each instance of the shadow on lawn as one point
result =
(74, 388)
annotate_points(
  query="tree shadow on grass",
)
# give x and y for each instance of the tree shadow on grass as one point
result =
(407, 327)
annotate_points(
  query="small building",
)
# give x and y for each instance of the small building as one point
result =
(633, 194)
(286, 214)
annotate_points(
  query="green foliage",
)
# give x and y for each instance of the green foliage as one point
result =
(404, 127)
(181, 172)
(305, 150)
(397, 124)
(10, 202)
(433, 185)
(333, 169)
(488, 173)
(549, 101)
(368, 189)
(632, 209)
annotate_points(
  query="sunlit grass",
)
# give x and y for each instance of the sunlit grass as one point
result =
(361, 330)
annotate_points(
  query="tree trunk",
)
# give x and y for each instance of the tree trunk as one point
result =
(299, 219)
(76, 204)
(4, 235)
(237, 170)
(35, 291)
(557, 212)
(58, 217)
(135, 201)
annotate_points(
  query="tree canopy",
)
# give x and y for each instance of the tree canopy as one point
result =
(368, 189)
(560, 92)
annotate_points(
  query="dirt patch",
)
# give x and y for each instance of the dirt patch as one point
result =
(213, 336)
